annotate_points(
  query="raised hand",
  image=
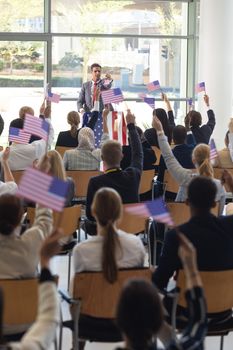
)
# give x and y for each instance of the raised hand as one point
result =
(156, 123)
(130, 118)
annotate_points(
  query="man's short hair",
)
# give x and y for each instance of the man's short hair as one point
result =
(179, 134)
(25, 110)
(201, 193)
(111, 153)
(195, 118)
(95, 65)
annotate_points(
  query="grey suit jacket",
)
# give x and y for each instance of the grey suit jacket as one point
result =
(85, 98)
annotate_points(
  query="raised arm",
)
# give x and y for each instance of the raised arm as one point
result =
(42, 333)
(171, 119)
(180, 174)
(135, 142)
(6, 169)
(193, 336)
(210, 113)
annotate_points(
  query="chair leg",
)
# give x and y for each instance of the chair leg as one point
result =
(221, 342)
(69, 267)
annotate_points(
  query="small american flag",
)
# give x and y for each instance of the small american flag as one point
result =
(36, 126)
(98, 130)
(117, 127)
(154, 85)
(213, 150)
(43, 189)
(150, 101)
(112, 96)
(142, 95)
(53, 97)
(200, 87)
(156, 209)
(18, 135)
(190, 102)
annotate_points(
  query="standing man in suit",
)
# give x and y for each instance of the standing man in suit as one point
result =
(88, 93)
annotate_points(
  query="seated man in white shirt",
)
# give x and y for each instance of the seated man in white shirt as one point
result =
(23, 155)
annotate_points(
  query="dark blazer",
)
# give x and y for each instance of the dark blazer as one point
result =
(149, 157)
(65, 139)
(202, 133)
(211, 236)
(125, 182)
(151, 134)
(85, 98)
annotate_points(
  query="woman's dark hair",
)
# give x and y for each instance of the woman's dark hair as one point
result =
(162, 115)
(1, 316)
(227, 138)
(11, 212)
(106, 208)
(139, 313)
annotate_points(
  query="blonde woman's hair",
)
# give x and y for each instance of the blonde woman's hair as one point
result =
(73, 119)
(107, 209)
(201, 155)
(56, 165)
(25, 110)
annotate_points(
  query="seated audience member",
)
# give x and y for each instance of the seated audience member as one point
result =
(9, 185)
(228, 179)
(225, 156)
(43, 331)
(125, 182)
(69, 138)
(211, 236)
(19, 121)
(140, 314)
(111, 248)
(201, 160)
(57, 170)
(86, 156)
(23, 155)
(201, 133)
(166, 120)
(149, 157)
(19, 254)
(182, 150)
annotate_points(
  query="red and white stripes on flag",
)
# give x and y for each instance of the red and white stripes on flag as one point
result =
(117, 127)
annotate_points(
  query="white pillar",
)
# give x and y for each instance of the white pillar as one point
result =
(216, 61)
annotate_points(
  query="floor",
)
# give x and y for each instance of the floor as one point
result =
(59, 265)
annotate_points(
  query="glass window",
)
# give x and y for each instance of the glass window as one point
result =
(22, 16)
(132, 63)
(119, 17)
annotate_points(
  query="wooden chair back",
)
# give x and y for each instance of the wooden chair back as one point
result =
(157, 154)
(81, 179)
(131, 223)
(218, 175)
(70, 218)
(20, 301)
(17, 174)
(170, 183)
(218, 287)
(180, 211)
(99, 297)
(61, 150)
(146, 181)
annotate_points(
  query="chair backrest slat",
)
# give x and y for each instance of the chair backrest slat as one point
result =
(70, 218)
(81, 179)
(146, 181)
(218, 287)
(20, 301)
(98, 297)
(131, 223)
